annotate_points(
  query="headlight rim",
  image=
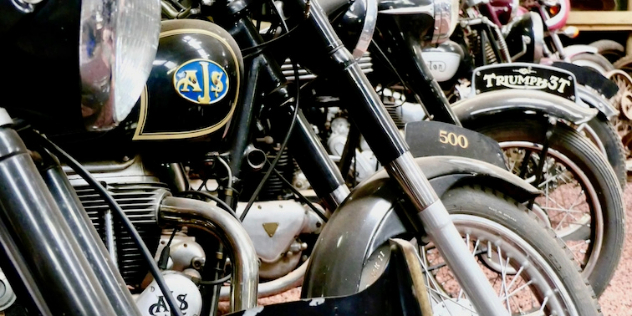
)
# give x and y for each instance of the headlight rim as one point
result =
(104, 34)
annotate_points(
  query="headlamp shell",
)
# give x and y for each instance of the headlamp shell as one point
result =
(117, 44)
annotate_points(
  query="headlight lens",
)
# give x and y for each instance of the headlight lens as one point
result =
(117, 45)
(446, 18)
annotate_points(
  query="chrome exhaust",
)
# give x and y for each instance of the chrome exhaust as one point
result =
(201, 215)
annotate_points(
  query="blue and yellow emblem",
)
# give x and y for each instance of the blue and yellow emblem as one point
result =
(201, 81)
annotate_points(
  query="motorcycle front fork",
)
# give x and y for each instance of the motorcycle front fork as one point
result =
(391, 150)
(43, 247)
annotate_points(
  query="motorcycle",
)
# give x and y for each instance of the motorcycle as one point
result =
(599, 56)
(517, 118)
(49, 238)
(518, 130)
(500, 31)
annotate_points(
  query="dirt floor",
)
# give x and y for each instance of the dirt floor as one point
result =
(616, 301)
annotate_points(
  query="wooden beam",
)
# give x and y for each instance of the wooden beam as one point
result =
(601, 20)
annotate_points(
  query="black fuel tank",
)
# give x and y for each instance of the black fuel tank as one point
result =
(190, 96)
(193, 87)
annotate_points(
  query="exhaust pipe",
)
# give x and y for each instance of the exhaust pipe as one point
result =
(201, 215)
(255, 158)
(276, 286)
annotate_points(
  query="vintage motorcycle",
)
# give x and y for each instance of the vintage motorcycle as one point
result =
(198, 87)
(517, 118)
(599, 56)
(503, 32)
(518, 131)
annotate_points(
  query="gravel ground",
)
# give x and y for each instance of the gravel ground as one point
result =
(616, 300)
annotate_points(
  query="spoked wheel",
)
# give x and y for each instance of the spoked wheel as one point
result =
(514, 251)
(582, 197)
(567, 200)
(622, 101)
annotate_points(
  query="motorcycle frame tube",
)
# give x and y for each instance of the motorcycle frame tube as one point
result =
(404, 51)
(88, 238)
(265, 77)
(37, 226)
(322, 174)
(193, 213)
(244, 115)
(380, 132)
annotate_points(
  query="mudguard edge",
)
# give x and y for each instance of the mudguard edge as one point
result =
(504, 101)
(593, 100)
(369, 217)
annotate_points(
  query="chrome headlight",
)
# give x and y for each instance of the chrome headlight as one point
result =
(446, 14)
(117, 44)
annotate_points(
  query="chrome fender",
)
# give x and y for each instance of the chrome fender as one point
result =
(370, 216)
(504, 101)
(594, 100)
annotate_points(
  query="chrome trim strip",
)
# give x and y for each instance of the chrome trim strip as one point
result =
(538, 37)
(370, 20)
(427, 9)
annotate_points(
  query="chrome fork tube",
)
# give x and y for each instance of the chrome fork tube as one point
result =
(42, 235)
(92, 247)
(440, 229)
(375, 124)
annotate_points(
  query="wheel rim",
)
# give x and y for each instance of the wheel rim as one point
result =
(622, 101)
(533, 289)
(571, 220)
(590, 133)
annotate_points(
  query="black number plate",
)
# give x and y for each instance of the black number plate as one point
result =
(524, 76)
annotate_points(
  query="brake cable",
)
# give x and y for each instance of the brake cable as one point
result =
(289, 132)
(81, 171)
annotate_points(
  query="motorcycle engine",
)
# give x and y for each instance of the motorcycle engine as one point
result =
(139, 194)
(275, 226)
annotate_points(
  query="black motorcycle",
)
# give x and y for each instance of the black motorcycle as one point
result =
(202, 106)
(581, 201)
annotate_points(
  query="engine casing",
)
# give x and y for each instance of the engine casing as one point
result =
(139, 194)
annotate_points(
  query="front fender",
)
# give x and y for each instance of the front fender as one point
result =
(596, 101)
(503, 101)
(370, 216)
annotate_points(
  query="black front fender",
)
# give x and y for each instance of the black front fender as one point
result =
(369, 217)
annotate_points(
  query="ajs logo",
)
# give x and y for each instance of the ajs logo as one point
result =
(201, 81)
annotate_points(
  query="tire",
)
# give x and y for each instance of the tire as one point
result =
(548, 263)
(625, 64)
(593, 61)
(604, 199)
(609, 49)
(611, 141)
(465, 203)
